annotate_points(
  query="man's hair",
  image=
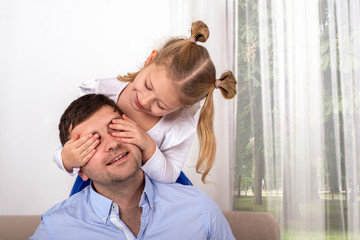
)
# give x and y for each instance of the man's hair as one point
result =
(80, 110)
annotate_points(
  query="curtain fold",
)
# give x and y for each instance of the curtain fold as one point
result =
(299, 62)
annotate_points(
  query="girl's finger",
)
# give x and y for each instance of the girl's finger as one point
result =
(122, 127)
(89, 156)
(89, 146)
(128, 119)
(78, 143)
(117, 120)
(122, 121)
(86, 141)
(129, 140)
(123, 134)
(73, 139)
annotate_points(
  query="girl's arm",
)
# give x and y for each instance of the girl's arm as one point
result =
(173, 147)
(166, 164)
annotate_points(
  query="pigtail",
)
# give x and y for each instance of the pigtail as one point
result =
(205, 130)
(227, 85)
(199, 31)
(206, 137)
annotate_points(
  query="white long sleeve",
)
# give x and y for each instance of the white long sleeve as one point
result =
(166, 164)
(58, 161)
(173, 134)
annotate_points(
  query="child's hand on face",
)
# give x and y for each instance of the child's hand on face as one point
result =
(78, 151)
(130, 132)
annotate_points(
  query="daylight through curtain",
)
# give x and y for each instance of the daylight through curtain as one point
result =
(298, 122)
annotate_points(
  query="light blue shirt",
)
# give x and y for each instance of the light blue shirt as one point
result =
(169, 211)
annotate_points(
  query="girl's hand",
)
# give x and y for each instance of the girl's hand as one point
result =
(130, 132)
(78, 151)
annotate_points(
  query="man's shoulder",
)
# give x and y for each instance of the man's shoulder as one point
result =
(185, 193)
(189, 206)
(176, 187)
(68, 204)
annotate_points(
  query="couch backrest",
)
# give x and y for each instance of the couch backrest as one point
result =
(244, 225)
(18, 227)
(253, 225)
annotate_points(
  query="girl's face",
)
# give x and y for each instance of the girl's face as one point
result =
(153, 92)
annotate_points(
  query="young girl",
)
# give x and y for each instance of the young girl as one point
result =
(160, 105)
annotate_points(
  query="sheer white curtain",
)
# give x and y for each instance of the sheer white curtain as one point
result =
(307, 60)
(219, 16)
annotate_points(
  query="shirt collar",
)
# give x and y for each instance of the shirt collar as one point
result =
(102, 205)
(148, 195)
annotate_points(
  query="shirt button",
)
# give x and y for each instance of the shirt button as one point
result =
(113, 207)
(104, 219)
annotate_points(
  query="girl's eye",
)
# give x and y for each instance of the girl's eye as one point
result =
(160, 106)
(147, 86)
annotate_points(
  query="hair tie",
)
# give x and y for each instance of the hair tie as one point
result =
(192, 39)
(217, 83)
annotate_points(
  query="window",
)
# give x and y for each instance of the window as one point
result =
(298, 119)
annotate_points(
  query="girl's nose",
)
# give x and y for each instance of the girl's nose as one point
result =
(147, 99)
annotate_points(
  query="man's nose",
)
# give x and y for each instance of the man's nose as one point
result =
(111, 143)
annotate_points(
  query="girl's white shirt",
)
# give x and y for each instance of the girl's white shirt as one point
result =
(173, 134)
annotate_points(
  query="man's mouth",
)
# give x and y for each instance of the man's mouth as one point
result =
(118, 158)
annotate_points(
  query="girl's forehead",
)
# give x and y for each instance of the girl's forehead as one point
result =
(165, 88)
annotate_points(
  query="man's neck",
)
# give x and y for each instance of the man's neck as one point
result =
(125, 193)
(127, 196)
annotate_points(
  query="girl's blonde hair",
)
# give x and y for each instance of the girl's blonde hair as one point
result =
(190, 67)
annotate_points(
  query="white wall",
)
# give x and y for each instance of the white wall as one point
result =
(47, 47)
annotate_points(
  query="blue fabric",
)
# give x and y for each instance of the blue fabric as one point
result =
(169, 211)
(80, 184)
(183, 179)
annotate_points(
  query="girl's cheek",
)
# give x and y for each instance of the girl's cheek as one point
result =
(158, 113)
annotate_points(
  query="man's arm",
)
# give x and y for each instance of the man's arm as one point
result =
(41, 232)
(218, 226)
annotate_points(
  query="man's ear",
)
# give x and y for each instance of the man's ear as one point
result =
(151, 57)
(83, 175)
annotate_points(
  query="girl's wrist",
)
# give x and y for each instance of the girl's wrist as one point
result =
(69, 169)
(148, 152)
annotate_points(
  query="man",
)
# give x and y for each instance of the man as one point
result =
(122, 202)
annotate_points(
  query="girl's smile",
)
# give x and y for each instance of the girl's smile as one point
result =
(138, 104)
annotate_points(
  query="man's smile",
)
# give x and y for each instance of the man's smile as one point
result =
(116, 159)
